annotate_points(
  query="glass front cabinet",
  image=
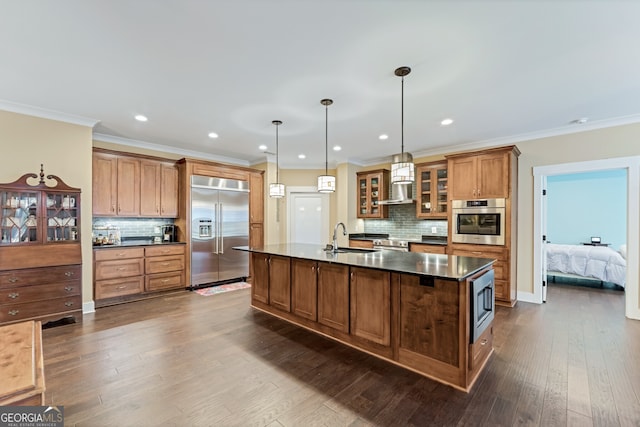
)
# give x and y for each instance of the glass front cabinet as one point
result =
(34, 212)
(373, 187)
(432, 190)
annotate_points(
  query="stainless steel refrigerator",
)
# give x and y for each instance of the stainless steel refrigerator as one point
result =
(219, 221)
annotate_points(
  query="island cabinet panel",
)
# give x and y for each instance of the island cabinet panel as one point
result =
(260, 285)
(280, 282)
(430, 318)
(304, 288)
(333, 296)
(371, 305)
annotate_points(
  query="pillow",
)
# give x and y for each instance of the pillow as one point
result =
(623, 251)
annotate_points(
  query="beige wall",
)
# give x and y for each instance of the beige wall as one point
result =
(65, 151)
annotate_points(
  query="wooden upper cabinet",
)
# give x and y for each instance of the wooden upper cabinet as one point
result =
(134, 187)
(480, 175)
(372, 187)
(105, 184)
(256, 197)
(128, 186)
(432, 187)
(149, 188)
(168, 190)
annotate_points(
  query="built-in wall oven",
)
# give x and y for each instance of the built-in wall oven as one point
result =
(478, 221)
(482, 303)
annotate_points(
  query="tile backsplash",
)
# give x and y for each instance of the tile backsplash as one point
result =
(134, 227)
(402, 223)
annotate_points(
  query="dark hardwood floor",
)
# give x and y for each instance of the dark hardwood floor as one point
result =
(189, 360)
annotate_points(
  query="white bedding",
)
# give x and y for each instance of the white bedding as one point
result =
(599, 262)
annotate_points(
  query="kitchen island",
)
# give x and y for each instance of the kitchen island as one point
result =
(411, 309)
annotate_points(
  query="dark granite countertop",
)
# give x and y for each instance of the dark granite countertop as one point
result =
(449, 267)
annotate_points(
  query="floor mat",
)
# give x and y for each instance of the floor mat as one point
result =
(222, 288)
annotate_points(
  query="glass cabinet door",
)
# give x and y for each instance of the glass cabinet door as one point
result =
(425, 191)
(432, 190)
(62, 217)
(441, 190)
(374, 198)
(19, 217)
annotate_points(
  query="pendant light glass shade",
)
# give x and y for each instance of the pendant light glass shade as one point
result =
(402, 168)
(276, 189)
(326, 182)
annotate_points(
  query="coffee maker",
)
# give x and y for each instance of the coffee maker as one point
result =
(168, 233)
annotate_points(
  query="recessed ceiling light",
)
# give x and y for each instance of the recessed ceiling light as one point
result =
(140, 118)
(302, 156)
(446, 122)
(213, 135)
(337, 148)
(383, 136)
(262, 147)
(580, 121)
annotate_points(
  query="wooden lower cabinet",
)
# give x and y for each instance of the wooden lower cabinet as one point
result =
(280, 282)
(260, 285)
(333, 296)
(427, 249)
(304, 288)
(48, 293)
(125, 274)
(356, 243)
(371, 305)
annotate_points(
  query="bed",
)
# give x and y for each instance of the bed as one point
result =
(589, 262)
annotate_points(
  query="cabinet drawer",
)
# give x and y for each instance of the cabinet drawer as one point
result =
(162, 264)
(428, 249)
(501, 287)
(164, 250)
(479, 350)
(157, 282)
(40, 292)
(115, 269)
(117, 253)
(36, 276)
(119, 287)
(14, 312)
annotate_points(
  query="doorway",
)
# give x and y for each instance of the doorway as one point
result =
(307, 216)
(632, 166)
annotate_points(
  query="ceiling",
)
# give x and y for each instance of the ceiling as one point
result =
(504, 71)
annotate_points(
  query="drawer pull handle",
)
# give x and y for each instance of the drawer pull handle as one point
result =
(483, 342)
(121, 254)
(165, 280)
(13, 312)
(69, 273)
(68, 288)
(13, 280)
(122, 287)
(121, 268)
(68, 303)
(164, 264)
(14, 295)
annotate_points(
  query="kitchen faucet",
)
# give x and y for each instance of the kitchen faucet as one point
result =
(335, 232)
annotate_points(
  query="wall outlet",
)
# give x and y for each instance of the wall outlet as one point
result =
(434, 230)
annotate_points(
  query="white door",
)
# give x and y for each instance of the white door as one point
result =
(308, 216)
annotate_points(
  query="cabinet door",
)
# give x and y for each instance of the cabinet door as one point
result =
(463, 175)
(493, 176)
(149, 188)
(432, 187)
(256, 198)
(168, 190)
(372, 188)
(280, 282)
(304, 288)
(260, 285)
(105, 184)
(333, 296)
(128, 187)
(371, 305)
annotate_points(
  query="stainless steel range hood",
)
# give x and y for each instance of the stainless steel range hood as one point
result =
(401, 194)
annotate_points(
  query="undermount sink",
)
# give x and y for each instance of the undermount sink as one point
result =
(353, 250)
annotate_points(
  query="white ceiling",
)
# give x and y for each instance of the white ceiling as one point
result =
(503, 70)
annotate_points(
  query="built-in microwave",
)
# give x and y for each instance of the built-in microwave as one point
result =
(478, 221)
(482, 304)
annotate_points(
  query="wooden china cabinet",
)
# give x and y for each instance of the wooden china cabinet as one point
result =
(40, 252)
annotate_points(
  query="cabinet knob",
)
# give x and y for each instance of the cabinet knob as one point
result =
(13, 312)
(483, 342)
(14, 295)
(13, 279)
(69, 273)
(68, 303)
(68, 288)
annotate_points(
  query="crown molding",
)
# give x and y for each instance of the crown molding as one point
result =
(168, 149)
(43, 113)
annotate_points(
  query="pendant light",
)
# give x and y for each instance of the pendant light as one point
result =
(402, 168)
(276, 189)
(326, 182)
